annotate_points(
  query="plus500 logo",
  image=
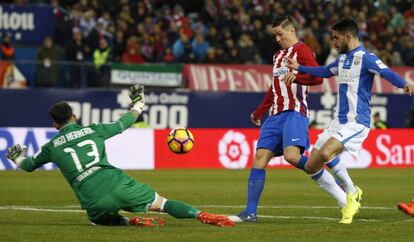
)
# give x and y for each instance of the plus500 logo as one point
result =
(157, 116)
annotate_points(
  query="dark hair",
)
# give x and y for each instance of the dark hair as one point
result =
(61, 112)
(346, 26)
(283, 20)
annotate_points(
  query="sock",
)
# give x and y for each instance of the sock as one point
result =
(179, 209)
(302, 162)
(254, 189)
(339, 170)
(326, 181)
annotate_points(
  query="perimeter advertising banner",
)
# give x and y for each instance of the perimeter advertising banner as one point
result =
(235, 148)
(257, 78)
(214, 148)
(131, 150)
(29, 24)
(164, 75)
(28, 108)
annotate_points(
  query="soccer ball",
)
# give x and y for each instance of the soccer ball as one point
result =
(180, 140)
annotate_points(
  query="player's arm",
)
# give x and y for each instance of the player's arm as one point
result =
(17, 154)
(307, 58)
(125, 121)
(376, 66)
(266, 103)
(319, 71)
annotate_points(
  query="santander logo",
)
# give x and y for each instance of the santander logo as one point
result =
(363, 160)
(234, 150)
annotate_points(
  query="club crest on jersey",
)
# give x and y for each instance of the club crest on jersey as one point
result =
(357, 60)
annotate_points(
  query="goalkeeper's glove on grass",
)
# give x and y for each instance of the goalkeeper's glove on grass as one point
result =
(17, 153)
(137, 98)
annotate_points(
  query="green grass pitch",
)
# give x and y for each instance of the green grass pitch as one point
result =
(42, 207)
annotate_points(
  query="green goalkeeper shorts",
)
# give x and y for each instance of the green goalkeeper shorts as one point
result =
(129, 195)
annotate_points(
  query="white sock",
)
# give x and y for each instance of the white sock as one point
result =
(326, 181)
(339, 170)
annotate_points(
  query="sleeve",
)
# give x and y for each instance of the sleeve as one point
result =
(264, 105)
(321, 71)
(307, 58)
(37, 160)
(112, 129)
(376, 66)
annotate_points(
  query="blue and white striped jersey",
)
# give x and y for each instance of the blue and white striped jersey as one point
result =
(355, 71)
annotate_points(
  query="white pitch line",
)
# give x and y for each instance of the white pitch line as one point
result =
(40, 209)
(293, 206)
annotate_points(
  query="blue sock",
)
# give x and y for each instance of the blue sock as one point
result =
(332, 163)
(255, 188)
(302, 162)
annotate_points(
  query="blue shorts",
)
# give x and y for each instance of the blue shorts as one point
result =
(279, 131)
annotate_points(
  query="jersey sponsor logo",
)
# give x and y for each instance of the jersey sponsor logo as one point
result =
(278, 72)
(345, 77)
(381, 64)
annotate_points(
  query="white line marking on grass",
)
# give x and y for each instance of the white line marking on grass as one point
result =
(293, 206)
(39, 209)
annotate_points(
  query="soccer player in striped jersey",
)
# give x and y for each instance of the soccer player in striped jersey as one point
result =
(285, 131)
(355, 68)
(101, 188)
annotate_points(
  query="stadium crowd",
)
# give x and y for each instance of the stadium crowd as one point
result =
(213, 31)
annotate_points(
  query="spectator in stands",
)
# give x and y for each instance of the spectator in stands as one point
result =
(167, 56)
(47, 68)
(105, 19)
(119, 45)
(132, 55)
(248, 52)
(200, 47)
(102, 59)
(378, 122)
(6, 49)
(178, 46)
(88, 22)
(77, 52)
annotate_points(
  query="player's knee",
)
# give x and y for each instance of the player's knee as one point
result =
(158, 203)
(260, 160)
(292, 157)
(324, 155)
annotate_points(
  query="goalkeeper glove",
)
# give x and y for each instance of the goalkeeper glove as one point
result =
(137, 98)
(17, 153)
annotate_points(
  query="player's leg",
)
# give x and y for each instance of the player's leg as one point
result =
(105, 212)
(350, 137)
(295, 140)
(270, 138)
(341, 172)
(323, 178)
(179, 209)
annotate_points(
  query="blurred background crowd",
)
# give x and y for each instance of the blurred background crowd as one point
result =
(210, 31)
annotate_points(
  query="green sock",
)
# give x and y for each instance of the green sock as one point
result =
(178, 209)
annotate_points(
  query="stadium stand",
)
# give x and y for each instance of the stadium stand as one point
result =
(208, 31)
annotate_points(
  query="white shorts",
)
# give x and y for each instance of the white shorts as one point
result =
(351, 135)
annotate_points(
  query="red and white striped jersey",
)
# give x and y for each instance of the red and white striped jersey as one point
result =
(281, 97)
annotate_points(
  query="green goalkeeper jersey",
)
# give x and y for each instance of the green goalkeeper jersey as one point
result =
(79, 152)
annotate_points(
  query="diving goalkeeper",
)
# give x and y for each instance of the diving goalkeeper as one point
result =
(102, 189)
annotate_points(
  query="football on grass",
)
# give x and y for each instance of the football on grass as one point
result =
(180, 140)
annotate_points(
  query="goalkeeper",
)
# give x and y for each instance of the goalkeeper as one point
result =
(101, 188)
